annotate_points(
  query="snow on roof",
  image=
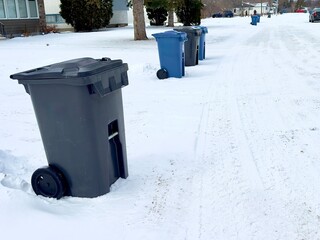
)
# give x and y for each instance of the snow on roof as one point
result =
(264, 4)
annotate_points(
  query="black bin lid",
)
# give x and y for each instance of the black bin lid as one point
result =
(80, 71)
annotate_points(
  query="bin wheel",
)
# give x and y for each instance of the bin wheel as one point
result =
(48, 182)
(162, 73)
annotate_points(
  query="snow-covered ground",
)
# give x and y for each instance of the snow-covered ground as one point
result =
(230, 151)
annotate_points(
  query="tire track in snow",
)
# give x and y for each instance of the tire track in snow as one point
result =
(279, 150)
(301, 126)
(236, 187)
(242, 186)
(227, 174)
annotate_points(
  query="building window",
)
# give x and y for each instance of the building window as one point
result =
(23, 13)
(18, 9)
(54, 19)
(12, 9)
(2, 12)
(50, 18)
(33, 8)
(60, 19)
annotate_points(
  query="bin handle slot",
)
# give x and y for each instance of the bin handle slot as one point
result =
(116, 148)
(113, 129)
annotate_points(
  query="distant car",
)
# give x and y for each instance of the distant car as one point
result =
(302, 10)
(314, 15)
(226, 13)
(217, 15)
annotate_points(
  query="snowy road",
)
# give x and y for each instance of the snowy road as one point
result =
(258, 161)
(229, 152)
(256, 154)
(254, 169)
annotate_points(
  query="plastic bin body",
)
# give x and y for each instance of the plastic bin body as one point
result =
(202, 42)
(78, 106)
(191, 46)
(254, 19)
(171, 52)
(258, 18)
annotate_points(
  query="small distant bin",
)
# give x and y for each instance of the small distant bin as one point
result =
(171, 53)
(254, 19)
(202, 42)
(191, 46)
(78, 106)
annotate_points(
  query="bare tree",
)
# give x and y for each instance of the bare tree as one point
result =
(171, 6)
(42, 16)
(170, 18)
(138, 20)
(170, 13)
(300, 4)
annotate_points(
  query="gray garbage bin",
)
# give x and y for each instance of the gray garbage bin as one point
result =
(78, 105)
(191, 46)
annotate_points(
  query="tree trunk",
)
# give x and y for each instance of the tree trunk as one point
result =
(42, 16)
(138, 20)
(170, 19)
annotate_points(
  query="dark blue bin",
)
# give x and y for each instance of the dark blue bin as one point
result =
(202, 44)
(171, 53)
(254, 19)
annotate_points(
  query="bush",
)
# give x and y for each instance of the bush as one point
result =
(86, 15)
(50, 29)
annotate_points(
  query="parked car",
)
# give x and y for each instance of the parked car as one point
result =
(226, 13)
(314, 15)
(217, 15)
(302, 10)
(284, 10)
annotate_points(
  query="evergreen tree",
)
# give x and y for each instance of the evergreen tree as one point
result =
(189, 13)
(157, 16)
(86, 15)
(157, 11)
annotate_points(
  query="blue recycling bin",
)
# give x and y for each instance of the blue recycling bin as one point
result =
(202, 44)
(171, 53)
(258, 18)
(254, 19)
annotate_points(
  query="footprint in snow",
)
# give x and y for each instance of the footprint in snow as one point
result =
(15, 183)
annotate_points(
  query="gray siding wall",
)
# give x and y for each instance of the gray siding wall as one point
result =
(120, 5)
